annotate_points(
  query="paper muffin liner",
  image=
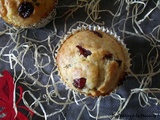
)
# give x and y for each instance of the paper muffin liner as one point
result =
(44, 21)
(95, 28)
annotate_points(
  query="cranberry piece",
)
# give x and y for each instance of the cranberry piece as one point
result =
(79, 83)
(25, 9)
(97, 33)
(83, 51)
(119, 62)
(108, 56)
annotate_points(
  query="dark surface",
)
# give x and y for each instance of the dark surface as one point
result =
(144, 46)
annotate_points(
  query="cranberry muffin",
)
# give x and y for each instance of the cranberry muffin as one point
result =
(27, 13)
(92, 61)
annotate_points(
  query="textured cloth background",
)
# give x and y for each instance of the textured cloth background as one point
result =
(139, 47)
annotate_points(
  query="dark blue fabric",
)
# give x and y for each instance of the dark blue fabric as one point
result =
(138, 46)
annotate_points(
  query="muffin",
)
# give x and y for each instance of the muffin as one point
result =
(27, 13)
(92, 60)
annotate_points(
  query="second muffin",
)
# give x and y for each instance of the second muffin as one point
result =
(27, 13)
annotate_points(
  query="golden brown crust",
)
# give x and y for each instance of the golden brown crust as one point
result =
(9, 11)
(103, 69)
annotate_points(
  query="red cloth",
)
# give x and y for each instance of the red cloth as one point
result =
(7, 89)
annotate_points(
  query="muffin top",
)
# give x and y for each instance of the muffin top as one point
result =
(24, 13)
(91, 62)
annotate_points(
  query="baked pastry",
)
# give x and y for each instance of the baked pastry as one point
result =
(92, 61)
(27, 13)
